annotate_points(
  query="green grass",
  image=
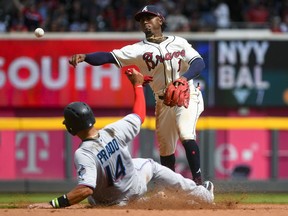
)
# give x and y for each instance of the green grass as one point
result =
(271, 198)
(21, 198)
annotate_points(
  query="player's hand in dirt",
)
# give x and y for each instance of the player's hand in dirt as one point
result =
(77, 58)
(40, 206)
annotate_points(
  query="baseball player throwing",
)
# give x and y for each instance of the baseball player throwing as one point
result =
(107, 174)
(168, 59)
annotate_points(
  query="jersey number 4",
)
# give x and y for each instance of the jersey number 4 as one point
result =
(119, 171)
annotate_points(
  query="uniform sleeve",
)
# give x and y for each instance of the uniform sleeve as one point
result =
(86, 168)
(190, 52)
(128, 55)
(127, 128)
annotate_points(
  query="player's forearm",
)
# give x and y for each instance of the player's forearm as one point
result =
(195, 69)
(139, 106)
(75, 196)
(78, 194)
(99, 58)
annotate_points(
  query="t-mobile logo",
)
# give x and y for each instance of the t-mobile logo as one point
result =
(28, 150)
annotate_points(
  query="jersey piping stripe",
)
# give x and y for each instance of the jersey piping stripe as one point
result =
(195, 123)
(194, 59)
(118, 62)
(172, 68)
(142, 165)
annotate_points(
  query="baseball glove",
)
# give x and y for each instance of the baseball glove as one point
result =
(177, 93)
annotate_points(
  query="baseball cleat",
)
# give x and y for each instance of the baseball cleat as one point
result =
(210, 187)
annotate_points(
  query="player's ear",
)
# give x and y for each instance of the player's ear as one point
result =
(162, 23)
(160, 20)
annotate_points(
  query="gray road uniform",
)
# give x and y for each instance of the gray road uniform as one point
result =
(105, 164)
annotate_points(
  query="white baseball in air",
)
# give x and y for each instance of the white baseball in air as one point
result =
(39, 32)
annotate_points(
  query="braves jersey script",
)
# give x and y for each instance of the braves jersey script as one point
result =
(166, 61)
(107, 159)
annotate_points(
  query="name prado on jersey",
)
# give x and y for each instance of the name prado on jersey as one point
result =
(109, 149)
(167, 59)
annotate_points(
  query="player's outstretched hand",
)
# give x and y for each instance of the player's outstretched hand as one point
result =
(132, 73)
(40, 206)
(77, 58)
(135, 77)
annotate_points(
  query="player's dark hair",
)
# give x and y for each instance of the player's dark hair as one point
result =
(78, 116)
(164, 26)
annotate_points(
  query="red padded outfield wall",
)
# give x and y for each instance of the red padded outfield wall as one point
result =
(36, 73)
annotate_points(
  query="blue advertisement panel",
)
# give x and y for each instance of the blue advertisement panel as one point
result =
(204, 80)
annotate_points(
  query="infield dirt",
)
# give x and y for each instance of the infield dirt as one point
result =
(156, 206)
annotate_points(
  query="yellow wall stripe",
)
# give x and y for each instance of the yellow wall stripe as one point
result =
(226, 123)
(205, 123)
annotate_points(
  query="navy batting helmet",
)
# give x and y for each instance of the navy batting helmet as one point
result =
(78, 116)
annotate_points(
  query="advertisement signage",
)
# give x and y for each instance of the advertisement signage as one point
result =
(241, 151)
(250, 73)
(36, 73)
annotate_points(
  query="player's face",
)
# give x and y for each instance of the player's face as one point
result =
(151, 25)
